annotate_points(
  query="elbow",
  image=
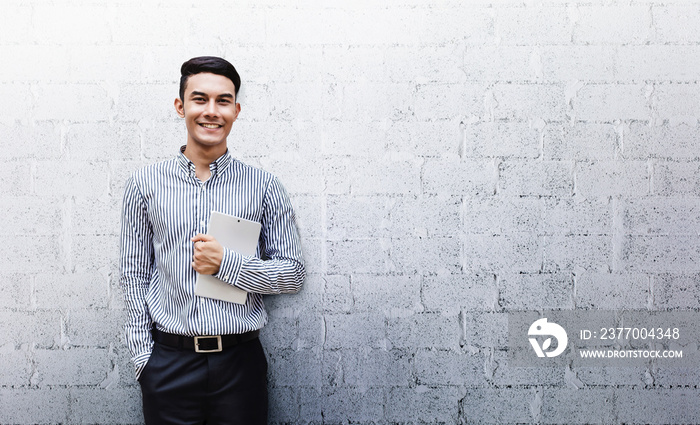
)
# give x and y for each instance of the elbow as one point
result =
(299, 276)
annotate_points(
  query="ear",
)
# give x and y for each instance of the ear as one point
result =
(179, 107)
(238, 111)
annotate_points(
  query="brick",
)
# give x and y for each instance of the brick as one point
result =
(356, 105)
(21, 252)
(279, 332)
(36, 140)
(673, 178)
(374, 368)
(577, 216)
(249, 27)
(524, 102)
(357, 256)
(502, 215)
(15, 290)
(100, 141)
(534, 25)
(424, 138)
(94, 328)
(54, 58)
(643, 141)
(355, 330)
(72, 178)
(459, 177)
(580, 142)
(47, 215)
(16, 178)
(497, 405)
(16, 28)
(659, 406)
(599, 179)
(608, 103)
(35, 405)
(675, 376)
(676, 291)
(366, 139)
(342, 216)
(437, 102)
(131, 106)
(630, 24)
(506, 375)
(95, 252)
(426, 255)
(676, 102)
(485, 330)
(611, 376)
(39, 328)
(657, 63)
(607, 291)
(77, 367)
(661, 216)
(383, 176)
(513, 252)
(96, 216)
(428, 330)
(497, 63)
(118, 405)
(319, 27)
(536, 291)
(289, 368)
(65, 24)
(675, 23)
(15, 111)
(313, 251)
(677, 253)
(452, 293)
(294, 180)
(341, 403)
(539, 178)
(283, 404)
(572, 252)
(74, 290)
(352, 63)
(17, 367)
(88, 102)
(580, 63)
(437, 215)
(417, 63)
(424, 404)
(391, 294)
(582, 406)
(442, 367)
(503, 140)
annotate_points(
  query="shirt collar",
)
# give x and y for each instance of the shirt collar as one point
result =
(216, 167)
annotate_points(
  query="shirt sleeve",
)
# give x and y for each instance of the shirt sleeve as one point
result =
(281, 268)
(135, 270)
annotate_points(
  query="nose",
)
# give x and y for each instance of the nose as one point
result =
(211, 108)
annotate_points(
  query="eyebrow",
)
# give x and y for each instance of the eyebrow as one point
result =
(199, 93)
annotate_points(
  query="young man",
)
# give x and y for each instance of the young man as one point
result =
(199, 360)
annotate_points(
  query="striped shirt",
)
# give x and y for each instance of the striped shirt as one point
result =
(165, 205)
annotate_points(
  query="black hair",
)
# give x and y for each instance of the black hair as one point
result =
(212, 64)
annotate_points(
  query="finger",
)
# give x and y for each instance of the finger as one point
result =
(201, 237)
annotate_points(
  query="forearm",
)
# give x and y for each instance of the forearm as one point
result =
(139, 323)
(274, 276)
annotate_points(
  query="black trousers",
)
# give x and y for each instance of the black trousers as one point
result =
(181, 387)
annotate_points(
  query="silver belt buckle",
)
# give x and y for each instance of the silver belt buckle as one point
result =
(215, 350)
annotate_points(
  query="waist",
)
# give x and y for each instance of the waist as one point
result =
(204, 343)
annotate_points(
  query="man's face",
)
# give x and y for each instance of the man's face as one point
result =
(209, 109)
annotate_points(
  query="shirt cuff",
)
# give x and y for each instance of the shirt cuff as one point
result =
(230, 267)
(140, 363)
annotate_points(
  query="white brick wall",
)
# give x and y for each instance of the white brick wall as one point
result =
(449, 161)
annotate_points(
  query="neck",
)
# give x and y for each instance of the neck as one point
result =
(202, 156)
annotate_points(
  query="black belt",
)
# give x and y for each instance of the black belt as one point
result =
(203, 344)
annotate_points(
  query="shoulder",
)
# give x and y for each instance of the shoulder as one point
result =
(253, 174)
(153, 172)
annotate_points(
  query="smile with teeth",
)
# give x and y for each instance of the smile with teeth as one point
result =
(210, 125)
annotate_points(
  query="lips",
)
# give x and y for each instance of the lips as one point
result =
(208, 125)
